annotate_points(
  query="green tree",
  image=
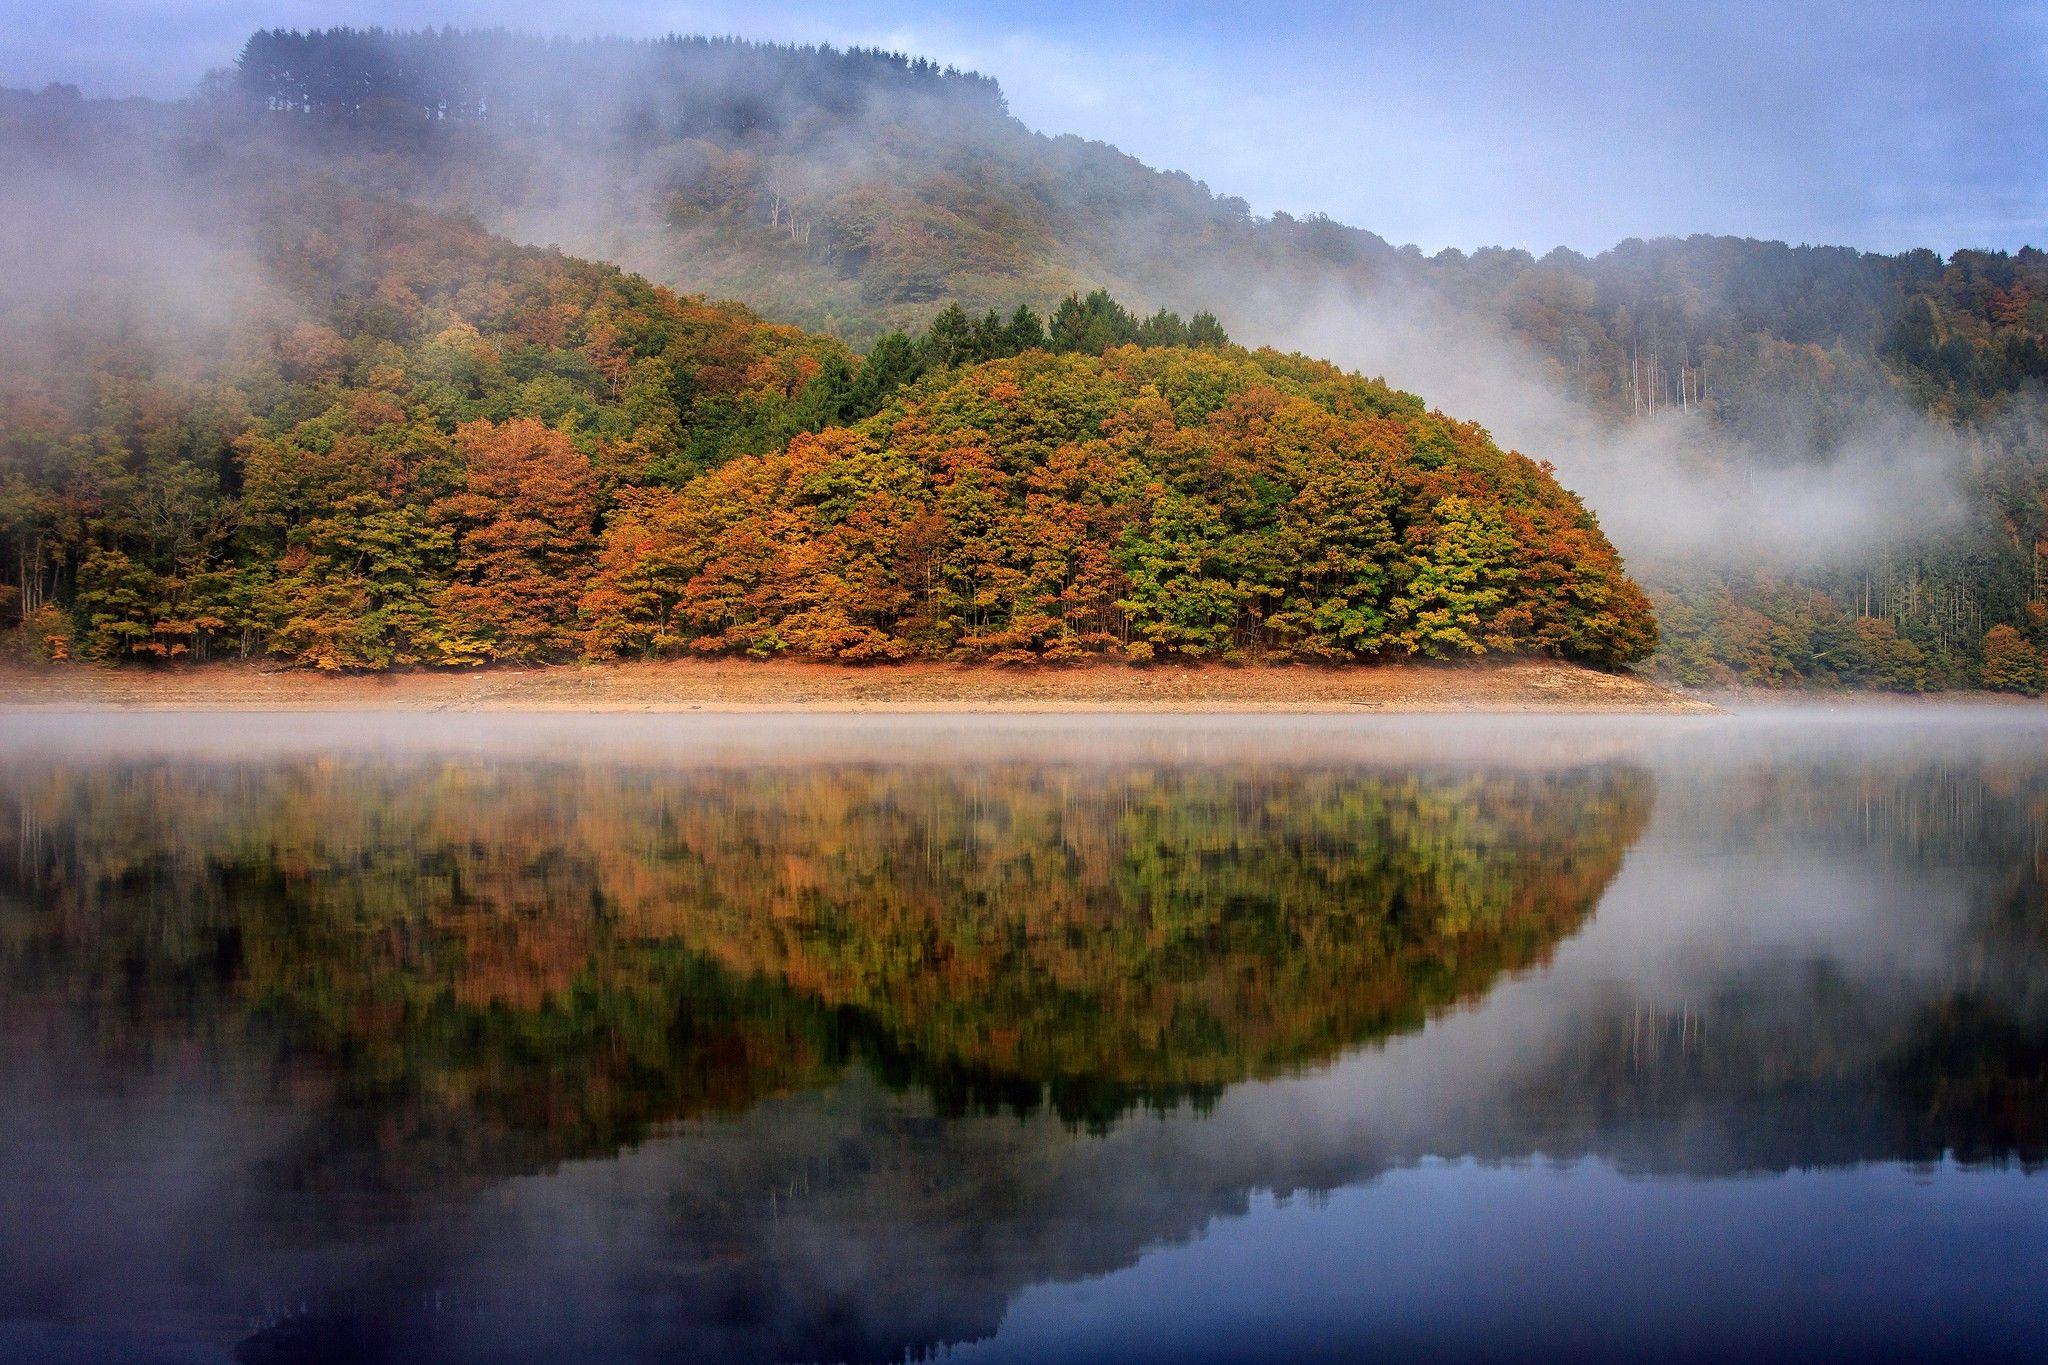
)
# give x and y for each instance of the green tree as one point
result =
(951, 340)
(1456, 581)
(1205, 330)
(1024, 333)
(891, 363)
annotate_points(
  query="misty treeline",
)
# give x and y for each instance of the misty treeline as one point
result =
(869, 147)
(865, 221)
(412, 443)
(862, 195)
(1887, 410)
(666, 87)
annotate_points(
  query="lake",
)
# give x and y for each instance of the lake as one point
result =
(432, 1037)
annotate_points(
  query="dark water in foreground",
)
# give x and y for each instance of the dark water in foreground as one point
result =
(1141, 1038)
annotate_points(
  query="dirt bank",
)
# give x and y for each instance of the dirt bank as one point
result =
(730, 685)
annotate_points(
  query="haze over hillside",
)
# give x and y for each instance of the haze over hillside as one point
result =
(359, 434)
(1471, 124)
(1829, 460)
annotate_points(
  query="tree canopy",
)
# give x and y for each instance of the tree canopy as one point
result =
(418, 444)
(1146, 503)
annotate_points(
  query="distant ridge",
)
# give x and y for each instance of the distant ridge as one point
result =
(512, 78)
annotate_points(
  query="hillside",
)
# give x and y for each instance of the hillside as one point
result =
(857, 192)
(384, 437)
(860, 192)
(310, 472)
(853, 191)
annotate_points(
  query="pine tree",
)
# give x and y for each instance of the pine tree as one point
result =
(1163, 329)
(991, 338)
(892, 362)
(951, 338)
(1025, 332)
(1205, 330)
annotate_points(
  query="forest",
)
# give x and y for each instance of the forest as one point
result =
(898, 212)
(1150, 503)
(435, 447)
(408, 450)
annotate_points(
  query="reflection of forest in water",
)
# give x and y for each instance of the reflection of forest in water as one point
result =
(794, 1009)
(573, 952)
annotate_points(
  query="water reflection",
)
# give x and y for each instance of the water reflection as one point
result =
(761, 1048)
(549, 957)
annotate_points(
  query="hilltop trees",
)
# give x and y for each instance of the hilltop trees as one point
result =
(1080, 326)
(384, 78)
(1143, 504)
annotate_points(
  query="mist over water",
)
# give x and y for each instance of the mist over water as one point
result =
(754, 1039)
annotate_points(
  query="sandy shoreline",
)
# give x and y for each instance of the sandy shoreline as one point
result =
(782, 686)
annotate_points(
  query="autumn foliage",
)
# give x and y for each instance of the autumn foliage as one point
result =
(524, 516)
(1145, 504)
(396, 453)
(420, 445)
(2011, 663)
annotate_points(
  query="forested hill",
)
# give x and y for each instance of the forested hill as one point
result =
(1165, 502)
(858, 192)
(353, 433)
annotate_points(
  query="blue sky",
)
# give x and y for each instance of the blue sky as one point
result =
(1455, 124)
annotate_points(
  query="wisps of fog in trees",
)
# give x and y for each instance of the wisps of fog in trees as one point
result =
(642, 153)
(633, 151)
(104, 252)
(1674, 485)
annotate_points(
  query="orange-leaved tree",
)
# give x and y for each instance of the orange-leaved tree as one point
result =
(523, 526)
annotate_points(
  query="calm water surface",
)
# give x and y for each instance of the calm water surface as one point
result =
(416, 1037)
